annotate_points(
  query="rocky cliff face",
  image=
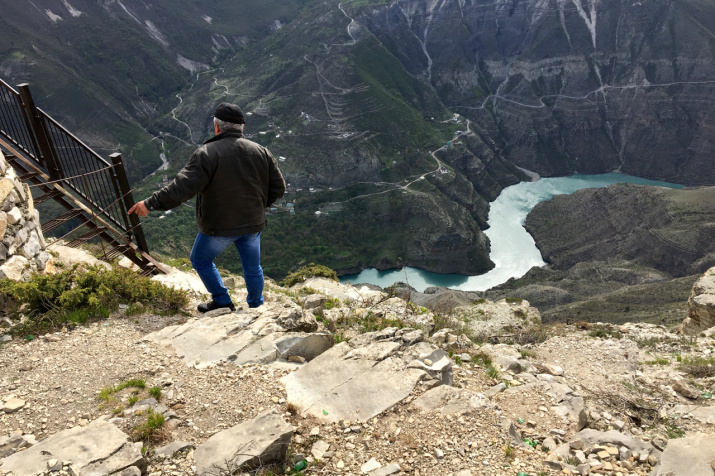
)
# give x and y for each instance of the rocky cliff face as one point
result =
(569, 86)
(22, 250)
(617, 254)
(668, 230)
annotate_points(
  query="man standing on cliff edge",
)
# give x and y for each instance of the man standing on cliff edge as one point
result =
(235, 180)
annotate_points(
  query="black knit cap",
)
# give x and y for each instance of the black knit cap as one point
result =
(229, 112)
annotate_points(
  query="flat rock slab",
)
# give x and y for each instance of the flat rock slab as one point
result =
(695, 452)
(260, 441)
(339, 384)
(449, 400)
(96, 449)
(592, 437)
(250, 337)
(703, 414)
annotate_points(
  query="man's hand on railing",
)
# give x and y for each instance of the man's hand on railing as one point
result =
(140, 209)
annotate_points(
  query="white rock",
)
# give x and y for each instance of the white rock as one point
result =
(370, 465)
(13, 268)
(14, 216)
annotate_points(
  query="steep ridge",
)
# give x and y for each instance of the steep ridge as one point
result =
(106, 67)
(569, 86)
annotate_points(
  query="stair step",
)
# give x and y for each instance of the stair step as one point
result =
(148, 271)
(27, 176)
(64, 218)
(115, 252)
(86, 237)
(48, 196)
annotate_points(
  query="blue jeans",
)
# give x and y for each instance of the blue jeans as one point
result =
(207, 248)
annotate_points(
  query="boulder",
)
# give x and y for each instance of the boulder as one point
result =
(701, 305)
(260, 441)
(297, 320)
(491, 318)
(68, 257)
(98, 448)
(314, 301)
(183, 281)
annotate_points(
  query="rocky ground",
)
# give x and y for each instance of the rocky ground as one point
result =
(355, 382)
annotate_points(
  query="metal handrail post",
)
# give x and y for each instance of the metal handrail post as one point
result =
(125, 190)
(43, 141)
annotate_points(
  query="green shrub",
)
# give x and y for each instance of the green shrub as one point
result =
(149, 431)
(155, 392)
(81, 294)
(106, 394)
(698, 367)
(657, 361)
(310, 271)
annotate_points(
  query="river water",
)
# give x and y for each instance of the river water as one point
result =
(513, 250)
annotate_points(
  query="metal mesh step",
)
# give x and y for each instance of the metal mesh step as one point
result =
(60, 220)
(86, 237)
(116, 252)
(48, 196)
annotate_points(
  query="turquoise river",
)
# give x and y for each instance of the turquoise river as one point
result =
(513, 250)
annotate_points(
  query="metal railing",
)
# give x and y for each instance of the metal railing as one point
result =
(68, 171)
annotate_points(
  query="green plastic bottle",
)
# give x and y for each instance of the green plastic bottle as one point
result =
(300, 465)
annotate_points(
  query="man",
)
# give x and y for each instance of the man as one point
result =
(235, 180)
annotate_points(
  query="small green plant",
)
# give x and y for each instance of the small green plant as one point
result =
(605, 333)
(106, 394)
(155, 392)
(310, 271)
(573, 461)
(133, 399)
(481, 359)
(479, 301)
(509, 451)
(674, 432)
(149, 430)
(527, 353)
(331, 303)
(457, 360)
(492, 372)
(698, 367)
(657, 361)
(513, 300)
(135, 309)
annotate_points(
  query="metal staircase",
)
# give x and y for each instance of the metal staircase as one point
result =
(92, 191)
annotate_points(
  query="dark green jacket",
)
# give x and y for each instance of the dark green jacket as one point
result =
(235, 180)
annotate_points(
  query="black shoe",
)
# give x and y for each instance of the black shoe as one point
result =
(212, 305)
